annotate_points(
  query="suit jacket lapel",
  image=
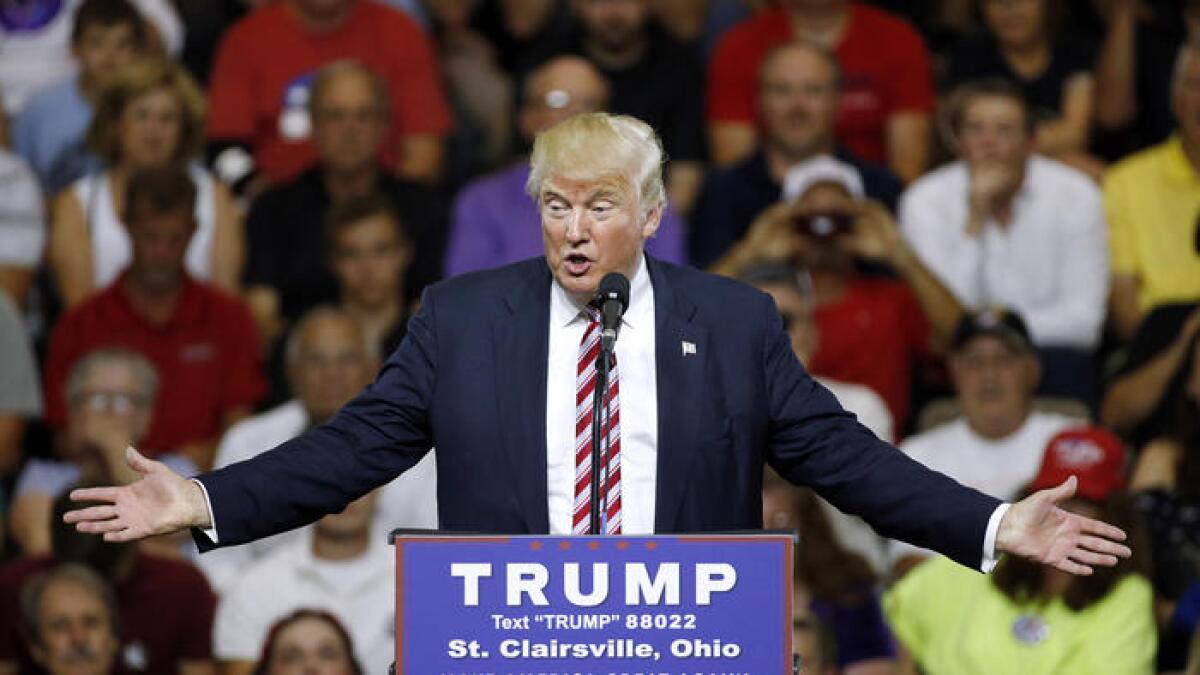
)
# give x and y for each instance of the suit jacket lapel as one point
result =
(521, 332)
(680, 354)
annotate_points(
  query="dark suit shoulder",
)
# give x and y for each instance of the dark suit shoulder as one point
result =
(492, 285)
(712, 294)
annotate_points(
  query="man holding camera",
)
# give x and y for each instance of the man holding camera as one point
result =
(876, 328)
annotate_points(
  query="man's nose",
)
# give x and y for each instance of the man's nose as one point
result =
(578, 229)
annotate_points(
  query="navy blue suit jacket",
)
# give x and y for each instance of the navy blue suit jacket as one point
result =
(470, 379)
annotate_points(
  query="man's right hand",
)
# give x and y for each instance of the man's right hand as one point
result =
(990, 181)
(161, 502)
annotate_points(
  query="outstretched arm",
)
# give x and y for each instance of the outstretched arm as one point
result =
(1038, 529)
(161, 502)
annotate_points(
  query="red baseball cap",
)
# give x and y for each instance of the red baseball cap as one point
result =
(1093, 455)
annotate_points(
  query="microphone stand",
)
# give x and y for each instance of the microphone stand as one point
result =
(599, 398)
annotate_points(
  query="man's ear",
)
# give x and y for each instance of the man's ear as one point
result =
(1033, 371)
(652, 220)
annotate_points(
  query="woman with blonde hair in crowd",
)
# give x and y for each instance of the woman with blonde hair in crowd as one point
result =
(149, 115)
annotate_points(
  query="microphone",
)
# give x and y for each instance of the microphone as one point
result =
(613, 299)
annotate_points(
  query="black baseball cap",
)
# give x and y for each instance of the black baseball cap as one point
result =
(998, 322)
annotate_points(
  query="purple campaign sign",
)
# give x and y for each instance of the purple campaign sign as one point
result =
(542, 604)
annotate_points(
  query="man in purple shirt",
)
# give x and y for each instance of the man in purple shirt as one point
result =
(495, 220)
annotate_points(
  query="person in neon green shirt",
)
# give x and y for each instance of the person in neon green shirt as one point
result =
(1028, 620)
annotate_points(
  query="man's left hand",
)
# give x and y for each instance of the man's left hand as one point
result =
(1038, 529)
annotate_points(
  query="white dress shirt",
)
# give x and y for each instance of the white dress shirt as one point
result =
(638, 404)
(1050, 263)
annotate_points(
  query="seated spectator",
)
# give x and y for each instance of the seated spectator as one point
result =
(1022, 43)
(370, 252)
(201, 340)
(495, 220)
(833, 583)
(70, 615)
(652, 77)
(49, 133)
(165, 608)
(797, 90)
(1030, 618)
(1139, 401)
(1166, 480)
(308, 641)
(873, 329)
(794, 301)
(887, 94)
(109, 395)
(329, 363)
(20, 395)
(479, 90)
(813, 642)
(259, 129)
(149, 116)
(1003, 226)
(35, 43)
(339, 566)
(997, 445)
(1133, 71)
(524, 34)
(348, 106)
(22, 227)
(1152, 199)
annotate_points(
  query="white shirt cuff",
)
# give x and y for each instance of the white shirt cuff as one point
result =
(989, 539)
(211, 532)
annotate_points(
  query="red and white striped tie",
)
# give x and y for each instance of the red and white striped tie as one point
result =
(610, 465)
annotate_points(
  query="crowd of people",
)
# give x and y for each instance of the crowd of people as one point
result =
(979, 220)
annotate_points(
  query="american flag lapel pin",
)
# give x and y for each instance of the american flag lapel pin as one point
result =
(688, 347)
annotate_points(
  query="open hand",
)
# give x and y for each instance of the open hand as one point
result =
(160, 502)
(1038, 529)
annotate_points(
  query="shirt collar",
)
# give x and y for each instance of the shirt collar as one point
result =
(564, 309)
(189, 307)
(1177, 166)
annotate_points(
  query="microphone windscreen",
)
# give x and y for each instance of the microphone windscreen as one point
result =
(614, 286)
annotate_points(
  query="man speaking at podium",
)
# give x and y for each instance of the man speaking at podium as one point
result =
(496, 372)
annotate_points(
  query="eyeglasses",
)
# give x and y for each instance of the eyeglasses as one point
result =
(118, 402)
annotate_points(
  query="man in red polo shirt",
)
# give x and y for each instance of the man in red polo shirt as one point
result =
(887, 92)
(202, 341)
(258, 122)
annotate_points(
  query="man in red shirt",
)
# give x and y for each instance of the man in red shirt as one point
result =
(887, 96)
(258, 124)
(202, 342)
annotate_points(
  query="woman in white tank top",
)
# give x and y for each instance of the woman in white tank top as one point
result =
(151, 114)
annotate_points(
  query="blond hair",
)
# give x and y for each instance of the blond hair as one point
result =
(133, 82)
(591, 146)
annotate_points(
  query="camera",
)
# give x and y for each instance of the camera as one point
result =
(823, 225)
